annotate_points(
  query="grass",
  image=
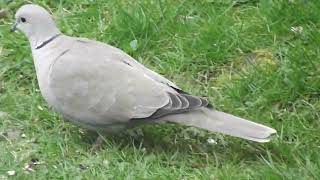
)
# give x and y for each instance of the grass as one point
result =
(242, 54)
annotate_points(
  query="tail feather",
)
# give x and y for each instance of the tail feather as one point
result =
(221, 122)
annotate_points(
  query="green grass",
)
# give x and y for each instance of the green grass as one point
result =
(241, 54)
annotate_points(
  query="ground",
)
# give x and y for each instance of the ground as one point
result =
(255, 59)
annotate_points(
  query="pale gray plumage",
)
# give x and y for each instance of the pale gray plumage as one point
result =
(102, 88)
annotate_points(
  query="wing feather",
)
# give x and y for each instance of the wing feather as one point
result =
(93, 85)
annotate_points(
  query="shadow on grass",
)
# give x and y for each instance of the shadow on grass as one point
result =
(182, 143)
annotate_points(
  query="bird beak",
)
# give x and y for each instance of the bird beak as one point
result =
(14, 27)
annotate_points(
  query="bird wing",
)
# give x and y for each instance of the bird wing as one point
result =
(119, 55)
(93, 84)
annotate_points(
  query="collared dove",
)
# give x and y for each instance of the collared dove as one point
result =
(101, 88)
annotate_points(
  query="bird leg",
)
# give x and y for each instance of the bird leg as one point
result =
(98, 142)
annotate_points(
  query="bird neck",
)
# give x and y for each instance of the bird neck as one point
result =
(38, 40)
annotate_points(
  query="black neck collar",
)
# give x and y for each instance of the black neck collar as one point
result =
(48, 41)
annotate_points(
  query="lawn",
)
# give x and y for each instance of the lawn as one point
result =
(255, 59)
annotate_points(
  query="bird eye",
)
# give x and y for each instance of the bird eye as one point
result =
(23, 19)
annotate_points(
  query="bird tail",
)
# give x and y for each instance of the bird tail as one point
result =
(221, 122)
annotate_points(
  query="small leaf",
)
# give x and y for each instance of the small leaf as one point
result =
(134, 44)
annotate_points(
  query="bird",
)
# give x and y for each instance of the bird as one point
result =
(101, 88)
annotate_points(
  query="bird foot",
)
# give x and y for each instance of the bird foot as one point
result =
(97, 144)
